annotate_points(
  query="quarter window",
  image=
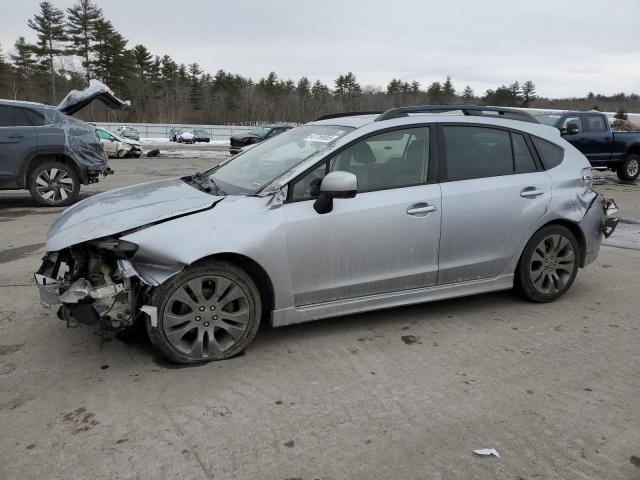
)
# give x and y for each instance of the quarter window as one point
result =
(477, 152)
(550, 154)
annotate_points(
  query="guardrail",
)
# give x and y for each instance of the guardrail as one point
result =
(160, 130)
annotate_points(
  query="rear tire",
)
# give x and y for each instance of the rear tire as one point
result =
(630, 169)
(549, 264)
(210, 311)
(54, 184)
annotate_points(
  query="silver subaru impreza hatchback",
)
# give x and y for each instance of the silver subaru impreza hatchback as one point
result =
(349, 213)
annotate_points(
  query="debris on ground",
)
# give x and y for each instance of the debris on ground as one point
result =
(153, 153)
(487, 451)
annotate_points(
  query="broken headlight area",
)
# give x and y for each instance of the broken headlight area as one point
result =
(92, 283)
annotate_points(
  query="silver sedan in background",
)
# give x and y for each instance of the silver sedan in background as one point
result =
(346, 214)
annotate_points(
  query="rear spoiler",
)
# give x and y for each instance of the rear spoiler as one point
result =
(76, 100)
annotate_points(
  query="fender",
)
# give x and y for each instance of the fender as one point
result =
(49, 150)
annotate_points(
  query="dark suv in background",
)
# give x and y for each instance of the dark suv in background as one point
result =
(49, 153)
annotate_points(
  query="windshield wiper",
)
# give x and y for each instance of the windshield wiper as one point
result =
(205, 181)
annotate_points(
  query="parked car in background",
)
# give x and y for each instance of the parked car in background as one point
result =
(200, 135)
(118, 147)
(591, 133)
(173, 134)
(185, 136)
(346, 214)
(129, 132)
(48, 152)
(257, 135)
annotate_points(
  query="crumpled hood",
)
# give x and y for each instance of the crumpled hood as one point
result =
(124, 209)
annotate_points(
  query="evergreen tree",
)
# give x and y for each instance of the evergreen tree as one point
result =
(415, 87)
(528, 93)
(621, 114)
(82, 20)
(113, 61)
(319, 90)
(467, 95)
(434, 92)
(195, 91)
(49, 26)
(23, 60)
(448, 91)
(303, 88)
(4, 65)
(514, 88)
(143, 61)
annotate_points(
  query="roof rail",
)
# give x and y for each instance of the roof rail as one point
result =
(347, 114)
(470, 110)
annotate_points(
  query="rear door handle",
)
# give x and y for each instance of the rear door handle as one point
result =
(15, 136)
(531, 192)
(421, 209)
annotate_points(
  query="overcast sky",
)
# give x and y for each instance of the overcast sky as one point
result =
(566, 47)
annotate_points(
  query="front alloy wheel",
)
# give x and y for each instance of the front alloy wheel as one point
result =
(209, 312)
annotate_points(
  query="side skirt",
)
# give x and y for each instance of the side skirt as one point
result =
(306, 313)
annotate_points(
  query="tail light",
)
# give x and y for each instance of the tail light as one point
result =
(587, 177)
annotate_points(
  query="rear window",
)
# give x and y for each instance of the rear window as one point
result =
(550, 154)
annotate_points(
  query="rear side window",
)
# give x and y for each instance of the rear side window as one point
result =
(477, 152)
(594, 123)
(522, 158)
(550, 154)
(36, 118)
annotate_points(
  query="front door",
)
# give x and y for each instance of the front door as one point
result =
(385, 239)
(492, 196)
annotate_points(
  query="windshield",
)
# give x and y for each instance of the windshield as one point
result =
(254, 169)
(547, 118)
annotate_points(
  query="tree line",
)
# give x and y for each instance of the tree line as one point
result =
(75, 45)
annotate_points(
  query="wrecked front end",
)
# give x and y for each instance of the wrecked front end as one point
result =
(92, 283)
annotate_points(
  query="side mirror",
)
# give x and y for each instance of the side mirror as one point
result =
(570, 129)
(112, 139)
(335, 185)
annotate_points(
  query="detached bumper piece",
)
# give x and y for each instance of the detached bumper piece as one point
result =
(609, 224)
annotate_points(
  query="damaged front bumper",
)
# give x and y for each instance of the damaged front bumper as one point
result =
(102, 294)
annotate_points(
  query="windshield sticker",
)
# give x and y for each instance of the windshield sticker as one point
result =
(321, 137)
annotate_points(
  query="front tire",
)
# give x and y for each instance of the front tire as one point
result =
(210, 311)
(54, 184)
(549, 264)
(630, 169)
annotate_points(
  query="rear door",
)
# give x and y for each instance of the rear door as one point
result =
(18, 140)
(597, 139)
(493, 192)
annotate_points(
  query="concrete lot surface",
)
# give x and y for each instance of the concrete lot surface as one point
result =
(396, 394)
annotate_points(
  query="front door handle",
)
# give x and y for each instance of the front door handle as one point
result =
(420, 209)
(15, 136)
(531, 192)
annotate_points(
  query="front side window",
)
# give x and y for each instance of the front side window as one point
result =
(252, 170)
(572, 123)
(594, 123)
(394, 159)
(477, 152)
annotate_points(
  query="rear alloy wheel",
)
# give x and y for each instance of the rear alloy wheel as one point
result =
(549, 264)
(54, 184)
(630, 169)
(208, 312)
